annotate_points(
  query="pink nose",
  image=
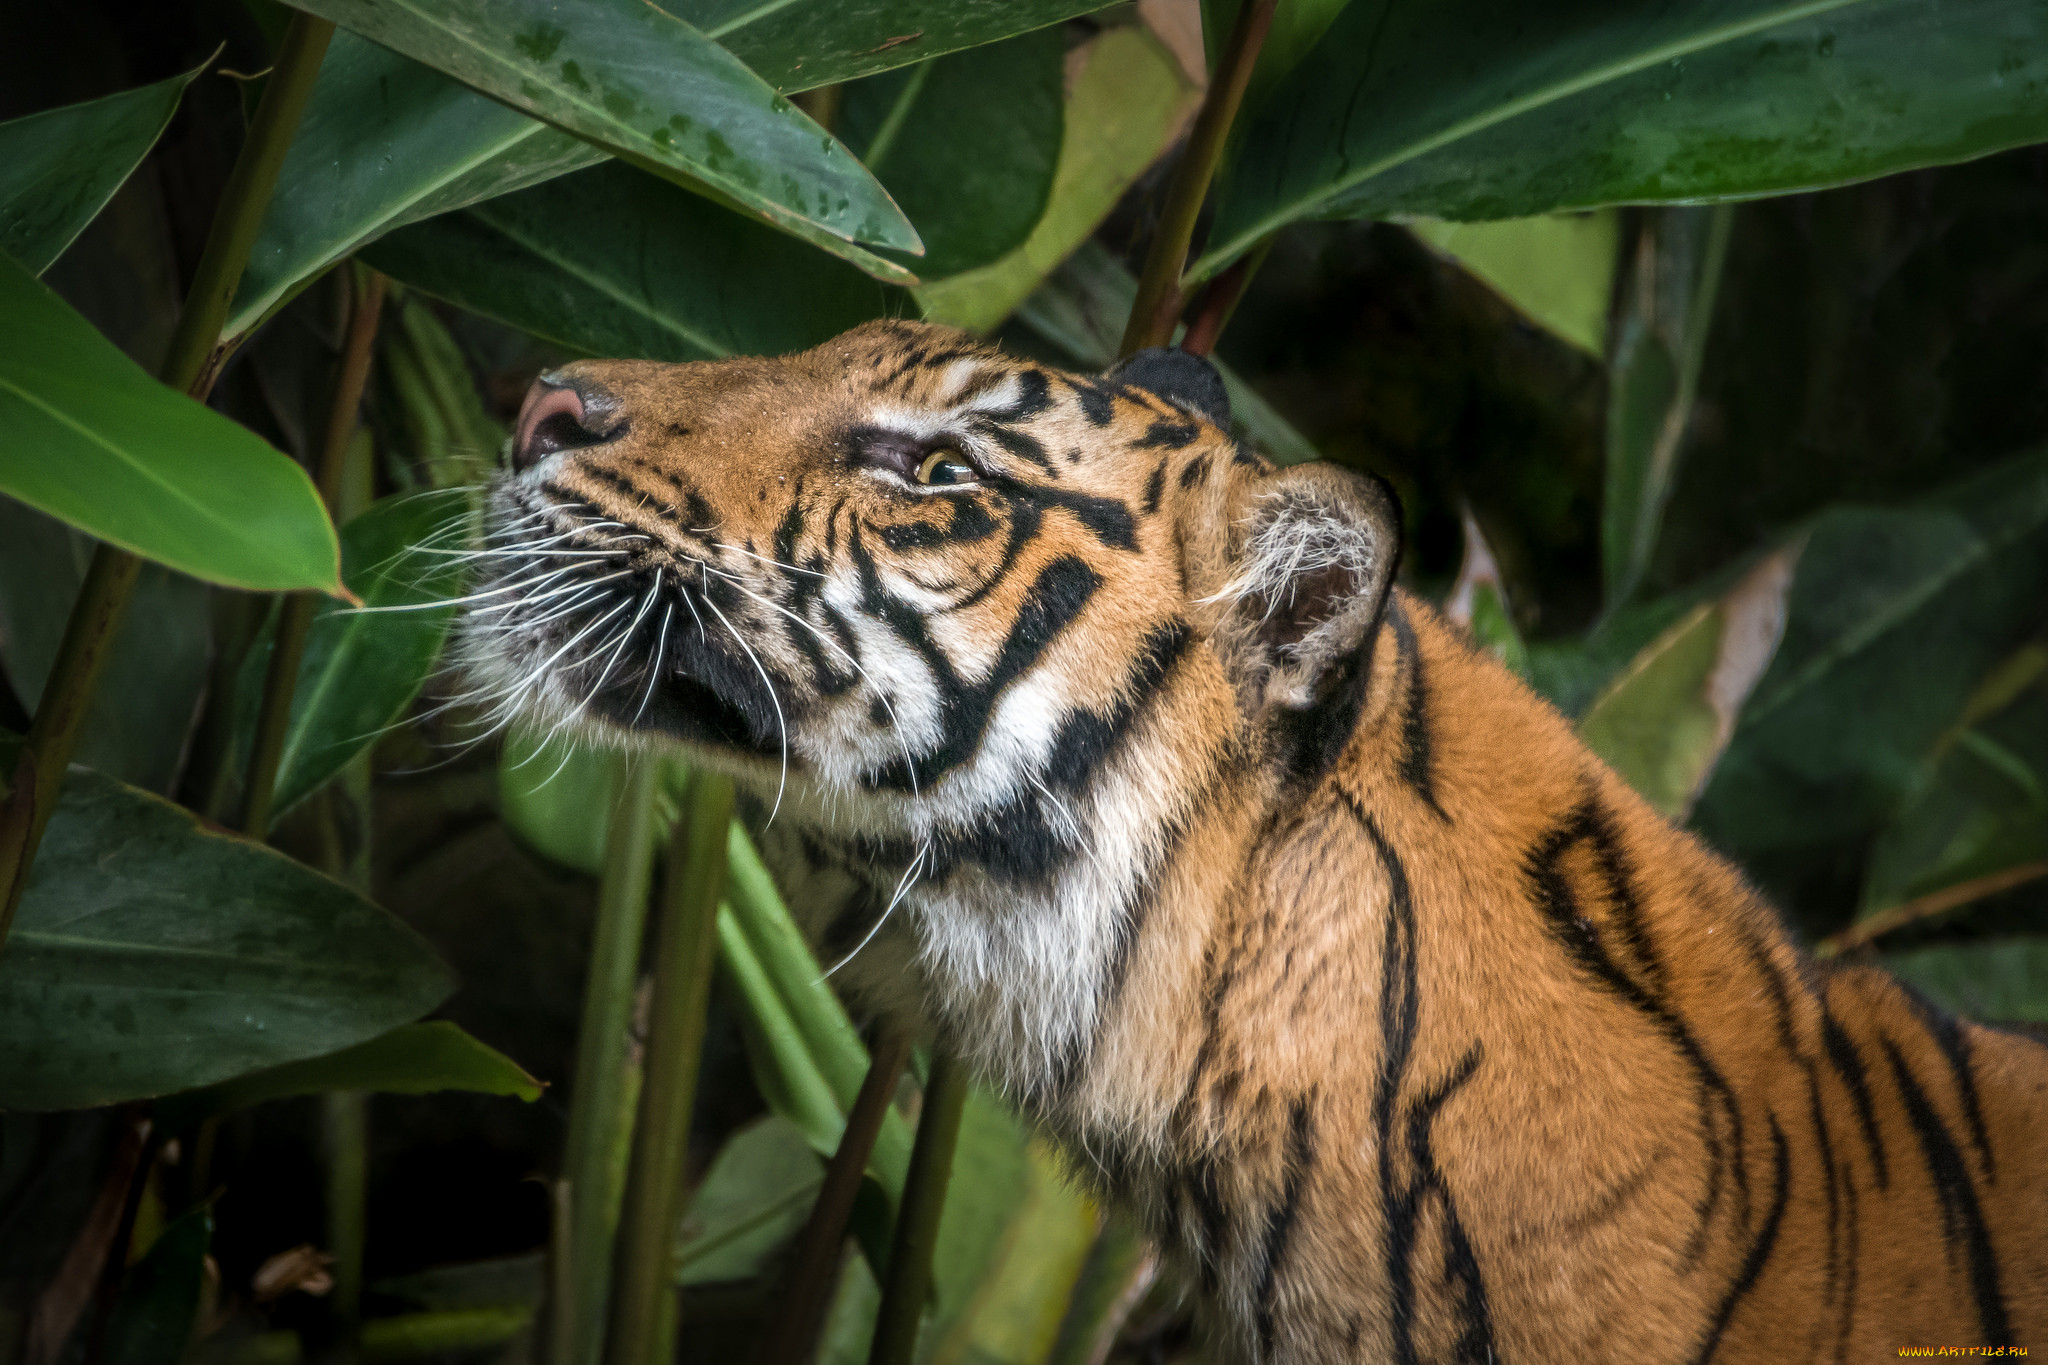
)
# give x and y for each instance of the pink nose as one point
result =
(550, 419)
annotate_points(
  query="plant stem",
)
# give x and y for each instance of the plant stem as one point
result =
(1158, 304)
(295, 618)
(103, 597)
(813, 1274)
(1924, 907)
(917, 1221)
(599, 1113)
(644, 1328)
(1219, 299)
(345, 1117)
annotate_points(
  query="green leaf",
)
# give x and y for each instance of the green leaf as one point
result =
(384, 142)
(412, 1059)
(803, 44)
(94, 441)
(1476, 109)
(643, 84)
(1013, 1301)
(1665, 722)
(1659, 346)
(1291, 35)
(967, 144)
(445, 437)
(1999, 979)
(363, 665)
(556, 795)
(756, 1195)
(1126, 102)
(152, 955)
(60, 167)
(142, 713)
(614, 262)
(1478, 601)
(153, 1319)
(1896, 618)
(1556, 269)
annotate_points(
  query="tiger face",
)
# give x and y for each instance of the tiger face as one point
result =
(908, 584)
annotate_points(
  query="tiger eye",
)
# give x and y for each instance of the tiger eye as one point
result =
(944, 467)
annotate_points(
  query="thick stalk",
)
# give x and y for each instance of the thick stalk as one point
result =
(295, 618)
(103, 598)
(1157, 306)
(813, 1273)
(1219, 298)
(600, 1113)
(644, 1327)
(345, 1115)
(909, 1280)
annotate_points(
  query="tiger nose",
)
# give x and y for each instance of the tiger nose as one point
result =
(562, 412)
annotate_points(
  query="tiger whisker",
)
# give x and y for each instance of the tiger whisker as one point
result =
(903, 885)
(781, 723)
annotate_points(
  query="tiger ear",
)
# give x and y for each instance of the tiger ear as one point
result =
(1315, 555)
(1187, 381)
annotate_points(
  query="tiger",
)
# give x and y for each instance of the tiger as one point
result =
(1111, 753)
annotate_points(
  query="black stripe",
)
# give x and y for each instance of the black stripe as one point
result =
(1461, 1263)
(1847, 1063)
(1300, 1157)
(1034, 395)
(1759, 1249)
(1155, 488)
(1167, 436)
(1018, 444)
(1418, 768)
(1107, 519)
(1959, 1207)
(1097, 401)
(1946, 1032)
(1197, 470)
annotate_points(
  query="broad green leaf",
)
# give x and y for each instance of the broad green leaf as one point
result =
(643, 84)
(1895, 619)
(1998, 979)
(412, 1059)
(1126, 101)
(384, 142)
(1556, 269)
(614, 262)
(153, 1319)
(1478, 601)
(756, 1195)
(363, 665)
(1477, 109)
(1021, 1298)
(59, 167)
(1291, 35)
(1664, 723)
(142, 713)
(94, 441)
(556, 795)
(151, 955)
(991, 1174)
(1660, 344)
(966, 144)
(429, 395)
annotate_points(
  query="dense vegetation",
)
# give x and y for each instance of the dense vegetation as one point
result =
(1705, 343)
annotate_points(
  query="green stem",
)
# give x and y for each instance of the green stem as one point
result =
(600, 1113)
(813, 1273)
(1219, 299)
(917, 1223)
(345, 1116)
(281, 679)
(103, 598)
(1157, 306)
(644, 1327)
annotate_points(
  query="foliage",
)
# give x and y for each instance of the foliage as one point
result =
(1754, 492)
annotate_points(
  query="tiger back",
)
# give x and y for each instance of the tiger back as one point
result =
(1109, 751)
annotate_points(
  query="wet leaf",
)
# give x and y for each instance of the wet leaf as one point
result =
(58, 168)
(94, 441)
(152, 955)
(642, 84)
(1480, 109)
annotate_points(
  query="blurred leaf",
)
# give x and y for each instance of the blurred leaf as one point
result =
(803, 44)
(1478, 602)
(645, 85)
(1895, 619)
(1660, 342)
(966, 144)
(1667, 719)
(1296, 26)
(1474, 109)
(153, 1319)
(153, 955)
(141, 715)
(1020, 1296)
(429, 395)
(614, 262)
(59, 167)
(94, 441)
(1126, 101)
(753, 1199)
(556, 795)
(412, 1059)
(991, 1172)
(362, 666)
(1998, 979)
(1557, 269)
(384, 142)
(1119, 1267)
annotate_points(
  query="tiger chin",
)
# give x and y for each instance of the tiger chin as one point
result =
(1080, 731)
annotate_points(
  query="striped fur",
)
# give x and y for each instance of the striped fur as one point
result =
(1320, 941)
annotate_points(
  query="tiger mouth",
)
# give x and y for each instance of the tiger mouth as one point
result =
(683, 708)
